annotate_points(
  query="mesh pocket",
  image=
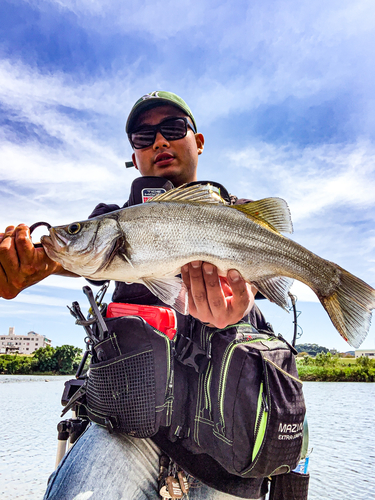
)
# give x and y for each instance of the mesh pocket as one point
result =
(124, 388)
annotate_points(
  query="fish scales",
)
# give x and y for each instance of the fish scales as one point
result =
(150, 243)
(201, 234)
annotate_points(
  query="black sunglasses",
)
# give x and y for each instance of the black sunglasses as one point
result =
(171, 129)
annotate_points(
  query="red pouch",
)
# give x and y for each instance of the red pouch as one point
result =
(161, 318)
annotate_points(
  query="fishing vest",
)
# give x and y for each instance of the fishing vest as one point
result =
(225, 404)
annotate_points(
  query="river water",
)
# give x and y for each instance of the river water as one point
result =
(341, 421)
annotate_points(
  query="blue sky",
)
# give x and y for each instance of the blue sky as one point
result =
(282, 90)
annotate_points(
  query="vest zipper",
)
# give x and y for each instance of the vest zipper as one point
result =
(228, 353)
(169, 345)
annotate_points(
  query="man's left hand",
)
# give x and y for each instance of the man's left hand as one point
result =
(217, 301)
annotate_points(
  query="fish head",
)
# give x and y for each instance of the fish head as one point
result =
(85, 248)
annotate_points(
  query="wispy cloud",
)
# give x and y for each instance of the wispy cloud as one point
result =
(57, 158)
(160, 18)
(311, 178)
(44, 300)
(303, 292)
(66, 283)
(282, 90)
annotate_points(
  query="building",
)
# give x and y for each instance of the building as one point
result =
(22, 344)
(365, 352)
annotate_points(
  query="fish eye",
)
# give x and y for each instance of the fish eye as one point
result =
(74, 228)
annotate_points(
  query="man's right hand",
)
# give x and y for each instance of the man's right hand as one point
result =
(21, 264)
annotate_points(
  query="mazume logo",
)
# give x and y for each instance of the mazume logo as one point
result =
(290, 431)
(290, 428)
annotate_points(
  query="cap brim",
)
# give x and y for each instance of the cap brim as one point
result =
(148, 104)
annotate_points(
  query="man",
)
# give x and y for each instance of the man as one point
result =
(162, 131)
(22, 265)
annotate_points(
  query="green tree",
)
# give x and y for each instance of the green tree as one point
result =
(3, 363)
(13, 365)
(364, 361)
(46, 362)
(67, 358)
(311, 349)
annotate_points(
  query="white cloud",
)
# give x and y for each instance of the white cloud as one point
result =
(65, 176)
(311, 178)
(41, 300)
(63, 282)
(71, 283)
(226, 60)
(158, 18)
(303, 292)
(25, 87)
(54, 188)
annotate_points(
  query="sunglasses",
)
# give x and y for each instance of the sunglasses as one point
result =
(171, 129)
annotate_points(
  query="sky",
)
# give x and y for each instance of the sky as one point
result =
(282, 90)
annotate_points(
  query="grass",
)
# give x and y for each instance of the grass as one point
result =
(328, 368)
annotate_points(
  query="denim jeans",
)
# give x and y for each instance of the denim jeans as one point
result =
(103, 466)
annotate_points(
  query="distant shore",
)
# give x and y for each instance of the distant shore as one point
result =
(62, 360)
(328, 368)
(324, 367)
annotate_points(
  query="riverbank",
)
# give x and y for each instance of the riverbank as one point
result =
(322, 368)
(62, 360)
(328, 368)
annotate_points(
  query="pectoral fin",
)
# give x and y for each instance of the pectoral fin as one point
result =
(172, 291)
(275, 289)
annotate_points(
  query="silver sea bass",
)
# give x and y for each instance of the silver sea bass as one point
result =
(149, 243)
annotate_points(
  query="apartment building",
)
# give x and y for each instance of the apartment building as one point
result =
(370, 353)
(22, 344)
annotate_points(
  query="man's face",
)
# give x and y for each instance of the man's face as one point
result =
(174, 160)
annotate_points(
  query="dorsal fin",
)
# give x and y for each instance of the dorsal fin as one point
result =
(272, 213)
(199, 193)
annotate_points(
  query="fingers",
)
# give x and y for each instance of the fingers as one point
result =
(217, 304)
(16, 248)
(240, 290)
(24, 245)
(8, 232)
(21, 264)
(8, 251)
(242, 299)
(192, 275)
(8, 262)
(214, 300)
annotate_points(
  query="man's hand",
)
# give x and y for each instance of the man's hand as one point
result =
(21, 264)
(217, 301)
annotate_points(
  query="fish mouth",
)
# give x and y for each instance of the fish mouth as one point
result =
(54, 239)
(58, 238)
(46, 241)
(49, 247)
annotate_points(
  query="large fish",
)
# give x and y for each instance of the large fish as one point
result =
(150, 243)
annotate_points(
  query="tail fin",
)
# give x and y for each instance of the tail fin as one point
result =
(349, 308)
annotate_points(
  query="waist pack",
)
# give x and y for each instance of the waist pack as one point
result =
(234, 395)
(130, 383)
(246, 408)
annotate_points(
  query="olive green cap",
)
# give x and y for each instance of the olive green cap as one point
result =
(153, 99)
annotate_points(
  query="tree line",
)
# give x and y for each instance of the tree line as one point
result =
(62, 360)
(311, 349)
(326, 367)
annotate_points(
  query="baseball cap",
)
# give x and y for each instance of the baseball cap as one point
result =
(153, 99)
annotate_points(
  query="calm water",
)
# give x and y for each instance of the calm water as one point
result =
(341, 420)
